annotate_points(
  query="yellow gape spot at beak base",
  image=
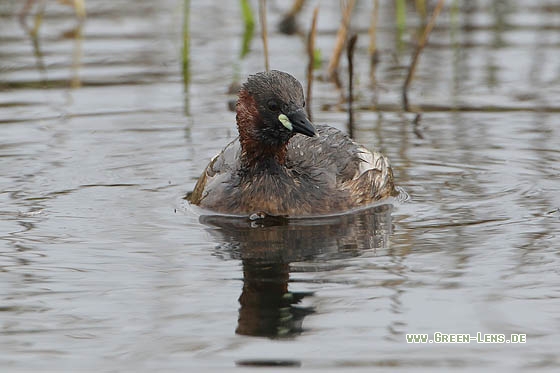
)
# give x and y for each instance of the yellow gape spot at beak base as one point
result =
(285, 122)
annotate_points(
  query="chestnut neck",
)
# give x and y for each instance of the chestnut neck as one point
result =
(255, 153)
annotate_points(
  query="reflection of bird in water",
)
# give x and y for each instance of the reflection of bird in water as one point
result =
(266, 248)
(268, 309)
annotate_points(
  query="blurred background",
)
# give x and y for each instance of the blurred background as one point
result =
(109, 111)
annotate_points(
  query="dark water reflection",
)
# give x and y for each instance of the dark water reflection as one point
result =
(266, 247)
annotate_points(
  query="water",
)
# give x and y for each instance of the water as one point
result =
(103, 265)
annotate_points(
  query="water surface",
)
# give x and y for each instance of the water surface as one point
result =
(104, 266)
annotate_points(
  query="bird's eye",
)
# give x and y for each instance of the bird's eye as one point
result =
(273, 105)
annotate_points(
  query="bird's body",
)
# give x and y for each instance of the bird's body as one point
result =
(268, 170)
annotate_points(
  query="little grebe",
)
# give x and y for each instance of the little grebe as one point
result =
(269, 170)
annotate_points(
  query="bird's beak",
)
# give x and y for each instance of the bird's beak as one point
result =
(301, 124)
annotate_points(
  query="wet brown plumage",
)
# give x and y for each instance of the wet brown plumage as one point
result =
(271, 170)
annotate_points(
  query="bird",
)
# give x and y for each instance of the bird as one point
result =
(283, 165)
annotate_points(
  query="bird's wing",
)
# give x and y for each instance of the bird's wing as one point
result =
(213, 175)
(335, 158)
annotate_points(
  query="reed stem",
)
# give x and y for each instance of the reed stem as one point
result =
(350, 55)
(341, 35)
(186, 43)
(248, 27)
(311, 59)
(264, 32)
(420, 47)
